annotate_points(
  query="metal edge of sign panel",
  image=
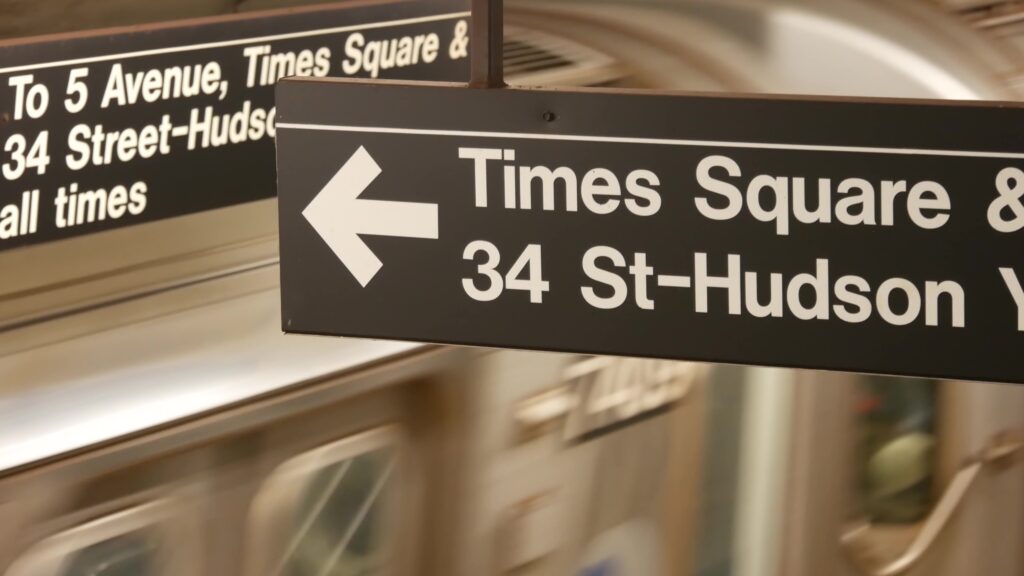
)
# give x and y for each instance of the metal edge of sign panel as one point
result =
(809, 98)
(758, 116)
(449, 6)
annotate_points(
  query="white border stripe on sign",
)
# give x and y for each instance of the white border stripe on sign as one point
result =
(661, 141)
(235, 42)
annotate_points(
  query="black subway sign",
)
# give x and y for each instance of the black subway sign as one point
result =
(878, 236)
(99, 130)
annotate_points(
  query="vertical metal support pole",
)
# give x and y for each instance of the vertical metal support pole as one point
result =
(486, 40)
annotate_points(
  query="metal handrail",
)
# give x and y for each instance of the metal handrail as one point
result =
(1000, 450)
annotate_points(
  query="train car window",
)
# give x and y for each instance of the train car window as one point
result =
(126, 555)
(895, 426)
(135, 542)
(328, 512)
(336, 527)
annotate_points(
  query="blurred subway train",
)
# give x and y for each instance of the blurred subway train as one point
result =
(154, 420)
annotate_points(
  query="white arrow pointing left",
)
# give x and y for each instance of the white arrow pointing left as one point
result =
(339, 216)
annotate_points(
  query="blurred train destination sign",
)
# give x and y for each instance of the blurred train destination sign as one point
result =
(101, 130)
(878, 236)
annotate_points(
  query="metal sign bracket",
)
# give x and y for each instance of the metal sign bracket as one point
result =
(486, 45)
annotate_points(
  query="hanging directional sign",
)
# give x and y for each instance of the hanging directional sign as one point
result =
(878, 236)
(102, 130)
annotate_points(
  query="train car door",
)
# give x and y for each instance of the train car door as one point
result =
(897, 476)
